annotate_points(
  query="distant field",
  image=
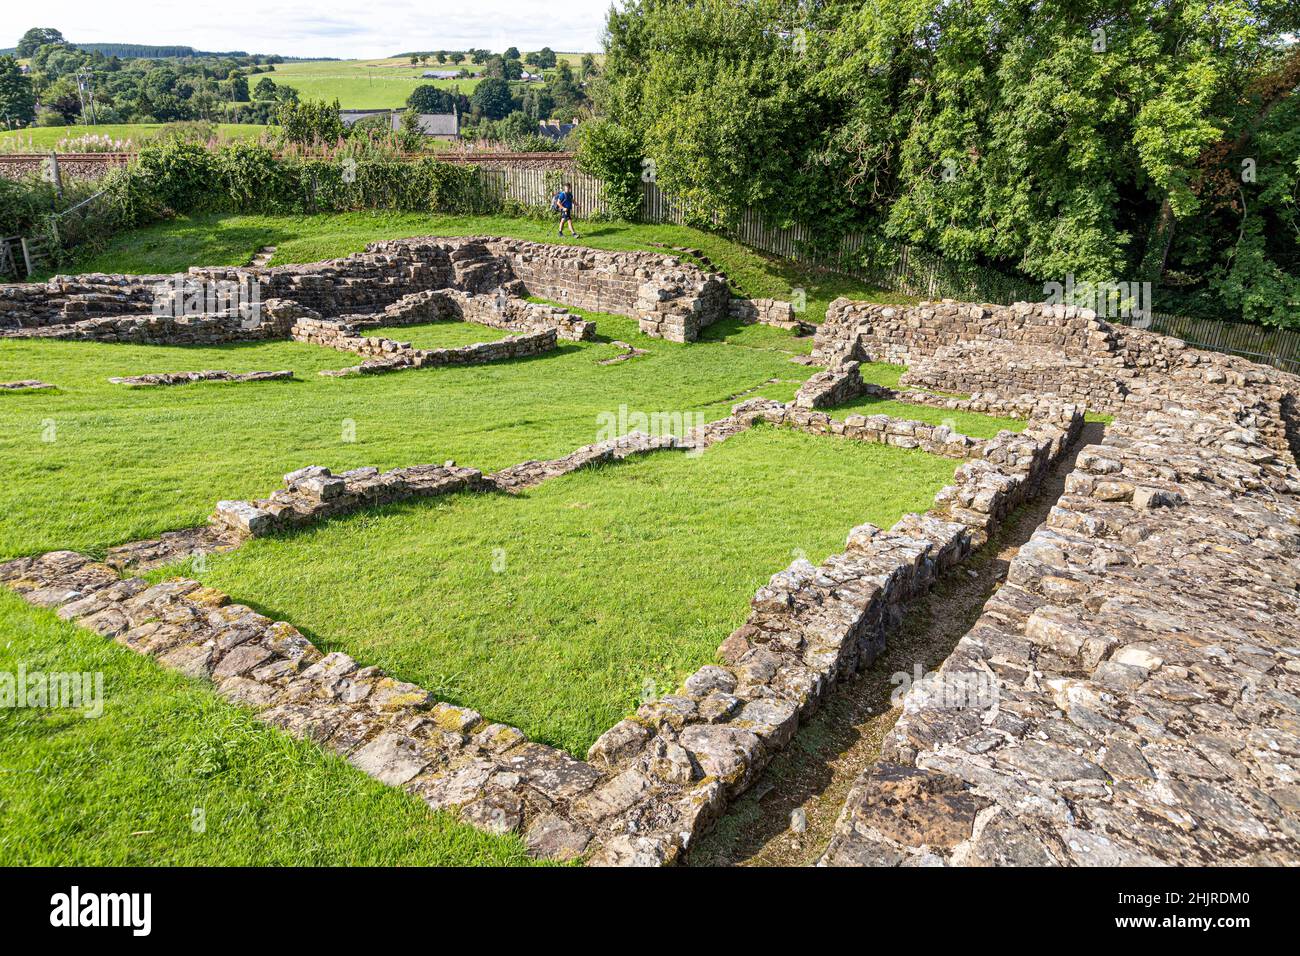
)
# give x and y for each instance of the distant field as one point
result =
(361, 84)
(130, 135)
(374, 84)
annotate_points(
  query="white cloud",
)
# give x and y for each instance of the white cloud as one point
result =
(334, 28)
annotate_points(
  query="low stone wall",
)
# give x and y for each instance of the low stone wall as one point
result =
(314, 494)
(843, 382)
(388, 355)
(1059, 353)
(1130, 695)
(670, 298)
(212, 375)
(903, 334)
(26, 385)
(68, 299)
(505, 310)
(835, 386)
(772, 312)
(211, 329)
(1000, 472)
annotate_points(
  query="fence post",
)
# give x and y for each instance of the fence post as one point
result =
(56, 176)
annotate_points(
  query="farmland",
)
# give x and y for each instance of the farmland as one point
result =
(362, 84)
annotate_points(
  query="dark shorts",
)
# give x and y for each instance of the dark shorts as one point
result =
(566, 214)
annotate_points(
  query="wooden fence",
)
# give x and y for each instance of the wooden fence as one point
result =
(536, 187)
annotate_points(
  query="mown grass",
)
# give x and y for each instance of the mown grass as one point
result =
(555, 611)
(439, 335)
(122, 789)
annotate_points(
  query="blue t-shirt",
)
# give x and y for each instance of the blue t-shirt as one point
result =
(564, 200)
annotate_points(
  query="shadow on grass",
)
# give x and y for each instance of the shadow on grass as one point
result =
(13, 394)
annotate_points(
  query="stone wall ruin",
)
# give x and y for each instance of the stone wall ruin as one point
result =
(1130, 695)
(653, 782)
(670, 298)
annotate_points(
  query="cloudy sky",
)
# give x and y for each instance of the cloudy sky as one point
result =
(338, 28)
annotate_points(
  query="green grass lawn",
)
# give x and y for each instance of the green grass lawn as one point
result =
(555, 610)
(122, 789)
(439, 335)
(132, 135)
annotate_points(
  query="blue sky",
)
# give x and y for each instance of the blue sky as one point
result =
(319, 27)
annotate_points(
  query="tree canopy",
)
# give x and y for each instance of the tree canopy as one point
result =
(17, 99)
(1110, 140)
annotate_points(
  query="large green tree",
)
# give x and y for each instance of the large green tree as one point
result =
(1100, 138)
(17, 98)
(711, 91)
(430, 99)
(37, 37)
(492, 98)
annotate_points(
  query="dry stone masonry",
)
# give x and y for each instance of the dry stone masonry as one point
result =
(670, 298)
(1131, 695)
(212, 375)
(773, 312)
(1144, 663)
(388, 355)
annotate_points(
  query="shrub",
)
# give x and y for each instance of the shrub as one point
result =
(310, 123)
(179, 176)
(252, 178)
(613, 153)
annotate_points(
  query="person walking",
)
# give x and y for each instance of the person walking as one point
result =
(563, 201)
